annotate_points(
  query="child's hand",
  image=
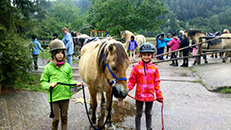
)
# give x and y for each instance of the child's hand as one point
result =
(79, 84)
(160, 100)
(53, 85)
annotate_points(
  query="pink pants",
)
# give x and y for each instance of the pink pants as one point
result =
(194, 50)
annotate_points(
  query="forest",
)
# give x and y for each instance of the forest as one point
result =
(20, 19)
(205, 15)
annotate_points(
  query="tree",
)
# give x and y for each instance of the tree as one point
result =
(117, 15)
(61, 14)
(15, 62)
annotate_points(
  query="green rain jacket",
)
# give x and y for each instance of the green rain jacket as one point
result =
(52, 73)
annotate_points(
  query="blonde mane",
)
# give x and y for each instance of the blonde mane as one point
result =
(120, 56)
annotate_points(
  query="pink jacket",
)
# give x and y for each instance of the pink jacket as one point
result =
(147, 81)
(174, 43)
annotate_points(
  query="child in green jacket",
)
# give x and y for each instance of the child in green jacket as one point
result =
(58, 70)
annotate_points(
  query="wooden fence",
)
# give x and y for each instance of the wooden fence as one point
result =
(199, 51)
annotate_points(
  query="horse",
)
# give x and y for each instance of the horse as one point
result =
(140, 39)
(102, 66)
(195, 35)
(227, 45)
(79, 41)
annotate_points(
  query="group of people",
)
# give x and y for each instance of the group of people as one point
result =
(144, 76)
(35, 46)
(173, 42)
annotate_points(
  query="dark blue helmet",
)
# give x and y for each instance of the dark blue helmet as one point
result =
(147, 48)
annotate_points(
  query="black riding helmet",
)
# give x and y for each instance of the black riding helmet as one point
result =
(147, 48)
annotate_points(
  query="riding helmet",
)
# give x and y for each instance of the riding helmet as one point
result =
(147, 48)
(57, 45)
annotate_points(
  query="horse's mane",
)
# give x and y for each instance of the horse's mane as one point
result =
(192, 33)
(120, 54)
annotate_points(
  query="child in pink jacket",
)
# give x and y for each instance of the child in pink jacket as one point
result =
(145, 76)
(174, 45)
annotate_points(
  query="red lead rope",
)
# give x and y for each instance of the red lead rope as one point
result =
(162, 111)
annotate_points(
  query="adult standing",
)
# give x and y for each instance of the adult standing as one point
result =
(162, 43)
(185, 43)
(68, 42)
(35, 46)
(174, 45)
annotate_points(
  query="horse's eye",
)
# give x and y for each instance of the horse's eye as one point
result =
(113, 68)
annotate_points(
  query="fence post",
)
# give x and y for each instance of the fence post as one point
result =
(199, 52)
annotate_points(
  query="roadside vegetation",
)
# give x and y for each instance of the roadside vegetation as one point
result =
(226, 90)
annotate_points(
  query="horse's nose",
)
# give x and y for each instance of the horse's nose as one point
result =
(119, 91)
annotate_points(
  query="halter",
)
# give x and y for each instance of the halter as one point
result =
(114, 77)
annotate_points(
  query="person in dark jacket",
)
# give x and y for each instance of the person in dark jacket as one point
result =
(55, 36)
(185, 43)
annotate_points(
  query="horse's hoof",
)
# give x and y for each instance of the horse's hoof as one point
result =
(223, 61)
(206, 62)
(110, 127)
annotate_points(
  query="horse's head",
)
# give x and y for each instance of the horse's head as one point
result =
(123, 35)
(113, 63)
(194, 35)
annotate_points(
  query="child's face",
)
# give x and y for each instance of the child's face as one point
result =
(59, 56)
(146, 57)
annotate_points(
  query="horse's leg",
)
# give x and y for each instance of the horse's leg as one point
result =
(221, 54)
(93, 105)
(229, 56)
(225, 56)
(102, 99)
(205, 58)
(108, 95)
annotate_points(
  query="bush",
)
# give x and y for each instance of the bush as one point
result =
(15, 59)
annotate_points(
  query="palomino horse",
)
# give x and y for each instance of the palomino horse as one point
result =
(227, 45)
(195, 35)
(140, 39)
(103, 66)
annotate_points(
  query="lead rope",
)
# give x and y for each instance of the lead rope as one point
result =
(88, 112)
(52, 115)
(162, 111)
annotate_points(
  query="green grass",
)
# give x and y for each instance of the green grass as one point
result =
(45, 54)
(151, 40)
(226, 90)
(75, 61)
(32, 84)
